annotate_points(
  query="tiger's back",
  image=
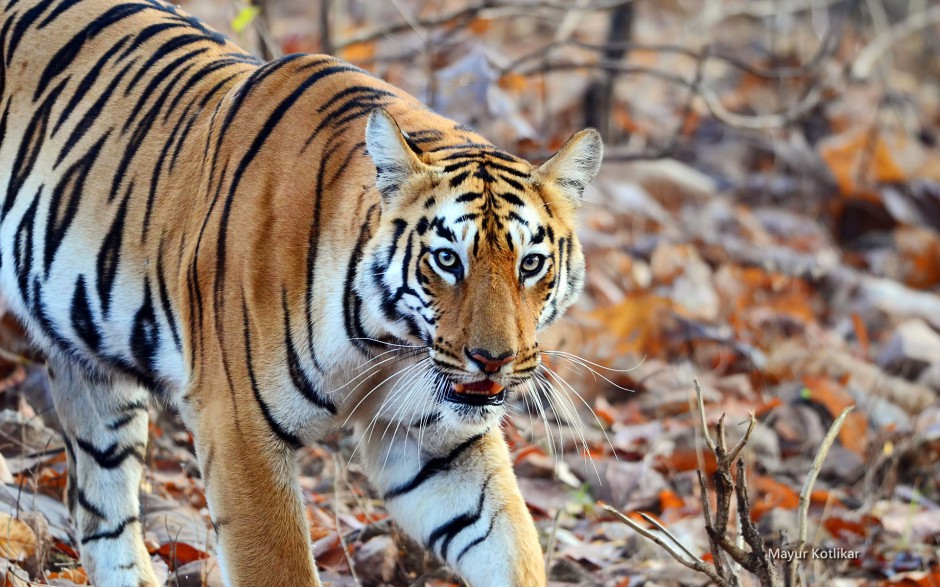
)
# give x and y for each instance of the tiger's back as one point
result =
(95, 128)
(179, 219)
(165, 124)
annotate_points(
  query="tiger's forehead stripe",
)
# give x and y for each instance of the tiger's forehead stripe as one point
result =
(491, 189)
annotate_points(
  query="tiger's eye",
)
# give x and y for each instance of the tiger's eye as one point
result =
(445, 258)
(532, 263)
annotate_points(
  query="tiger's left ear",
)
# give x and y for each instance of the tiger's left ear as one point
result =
(395, 160)
(574, 166)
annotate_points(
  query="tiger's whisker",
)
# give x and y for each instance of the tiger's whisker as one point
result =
(407, 396)
(438, 382)
(370, 427)
(398, 389)
(529, 409)
(597, 419)
(574, 423)
(575, 360)
(410, 400)
(567, 416)
(598, 365)
(362, 365)
(541, 410)
(371, 391)
(375, 369)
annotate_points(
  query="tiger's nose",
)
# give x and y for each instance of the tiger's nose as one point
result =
(489, 363)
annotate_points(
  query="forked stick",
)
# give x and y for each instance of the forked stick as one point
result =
(755, 558)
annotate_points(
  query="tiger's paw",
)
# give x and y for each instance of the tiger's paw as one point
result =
(127, 574)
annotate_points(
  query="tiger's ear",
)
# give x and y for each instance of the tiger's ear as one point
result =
(574, 166)
(395, 160)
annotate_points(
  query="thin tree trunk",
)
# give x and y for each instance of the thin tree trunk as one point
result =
(599, 100)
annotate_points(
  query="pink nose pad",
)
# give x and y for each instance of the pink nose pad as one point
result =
(487, 362)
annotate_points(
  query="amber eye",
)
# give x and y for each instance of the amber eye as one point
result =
(447, 260)
(532, 264)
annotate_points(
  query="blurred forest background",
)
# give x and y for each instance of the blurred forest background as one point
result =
(767, 222)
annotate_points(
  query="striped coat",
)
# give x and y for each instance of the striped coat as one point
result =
(277, 250)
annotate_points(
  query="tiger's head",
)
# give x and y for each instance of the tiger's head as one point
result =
(474, 254)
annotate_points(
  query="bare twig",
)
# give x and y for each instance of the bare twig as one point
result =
(410, 25)
(652, 521)
(694, 563)
(701, 412)
(565, 5)
(756, 561)
(771, 8)
(810, 68)
(718, 557)
(17, 358)
(479, 9)
(752, 122)
(794, 113)
(550, 547)
(866, 59)
(412, 22)
(689, 102)
(755, 558)
(339, 529)
(806, 492)
(760, 563)
(733, 454)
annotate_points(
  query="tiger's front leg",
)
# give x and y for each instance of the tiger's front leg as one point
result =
(253, 494)
(459, 497)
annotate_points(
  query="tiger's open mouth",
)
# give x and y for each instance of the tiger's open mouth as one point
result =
(477, 393)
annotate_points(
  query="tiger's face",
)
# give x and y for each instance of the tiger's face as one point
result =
(474, 254)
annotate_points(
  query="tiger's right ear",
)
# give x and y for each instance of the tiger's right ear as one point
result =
(574, 166)
(394, 158)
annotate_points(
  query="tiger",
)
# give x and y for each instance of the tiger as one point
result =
(276, 250)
